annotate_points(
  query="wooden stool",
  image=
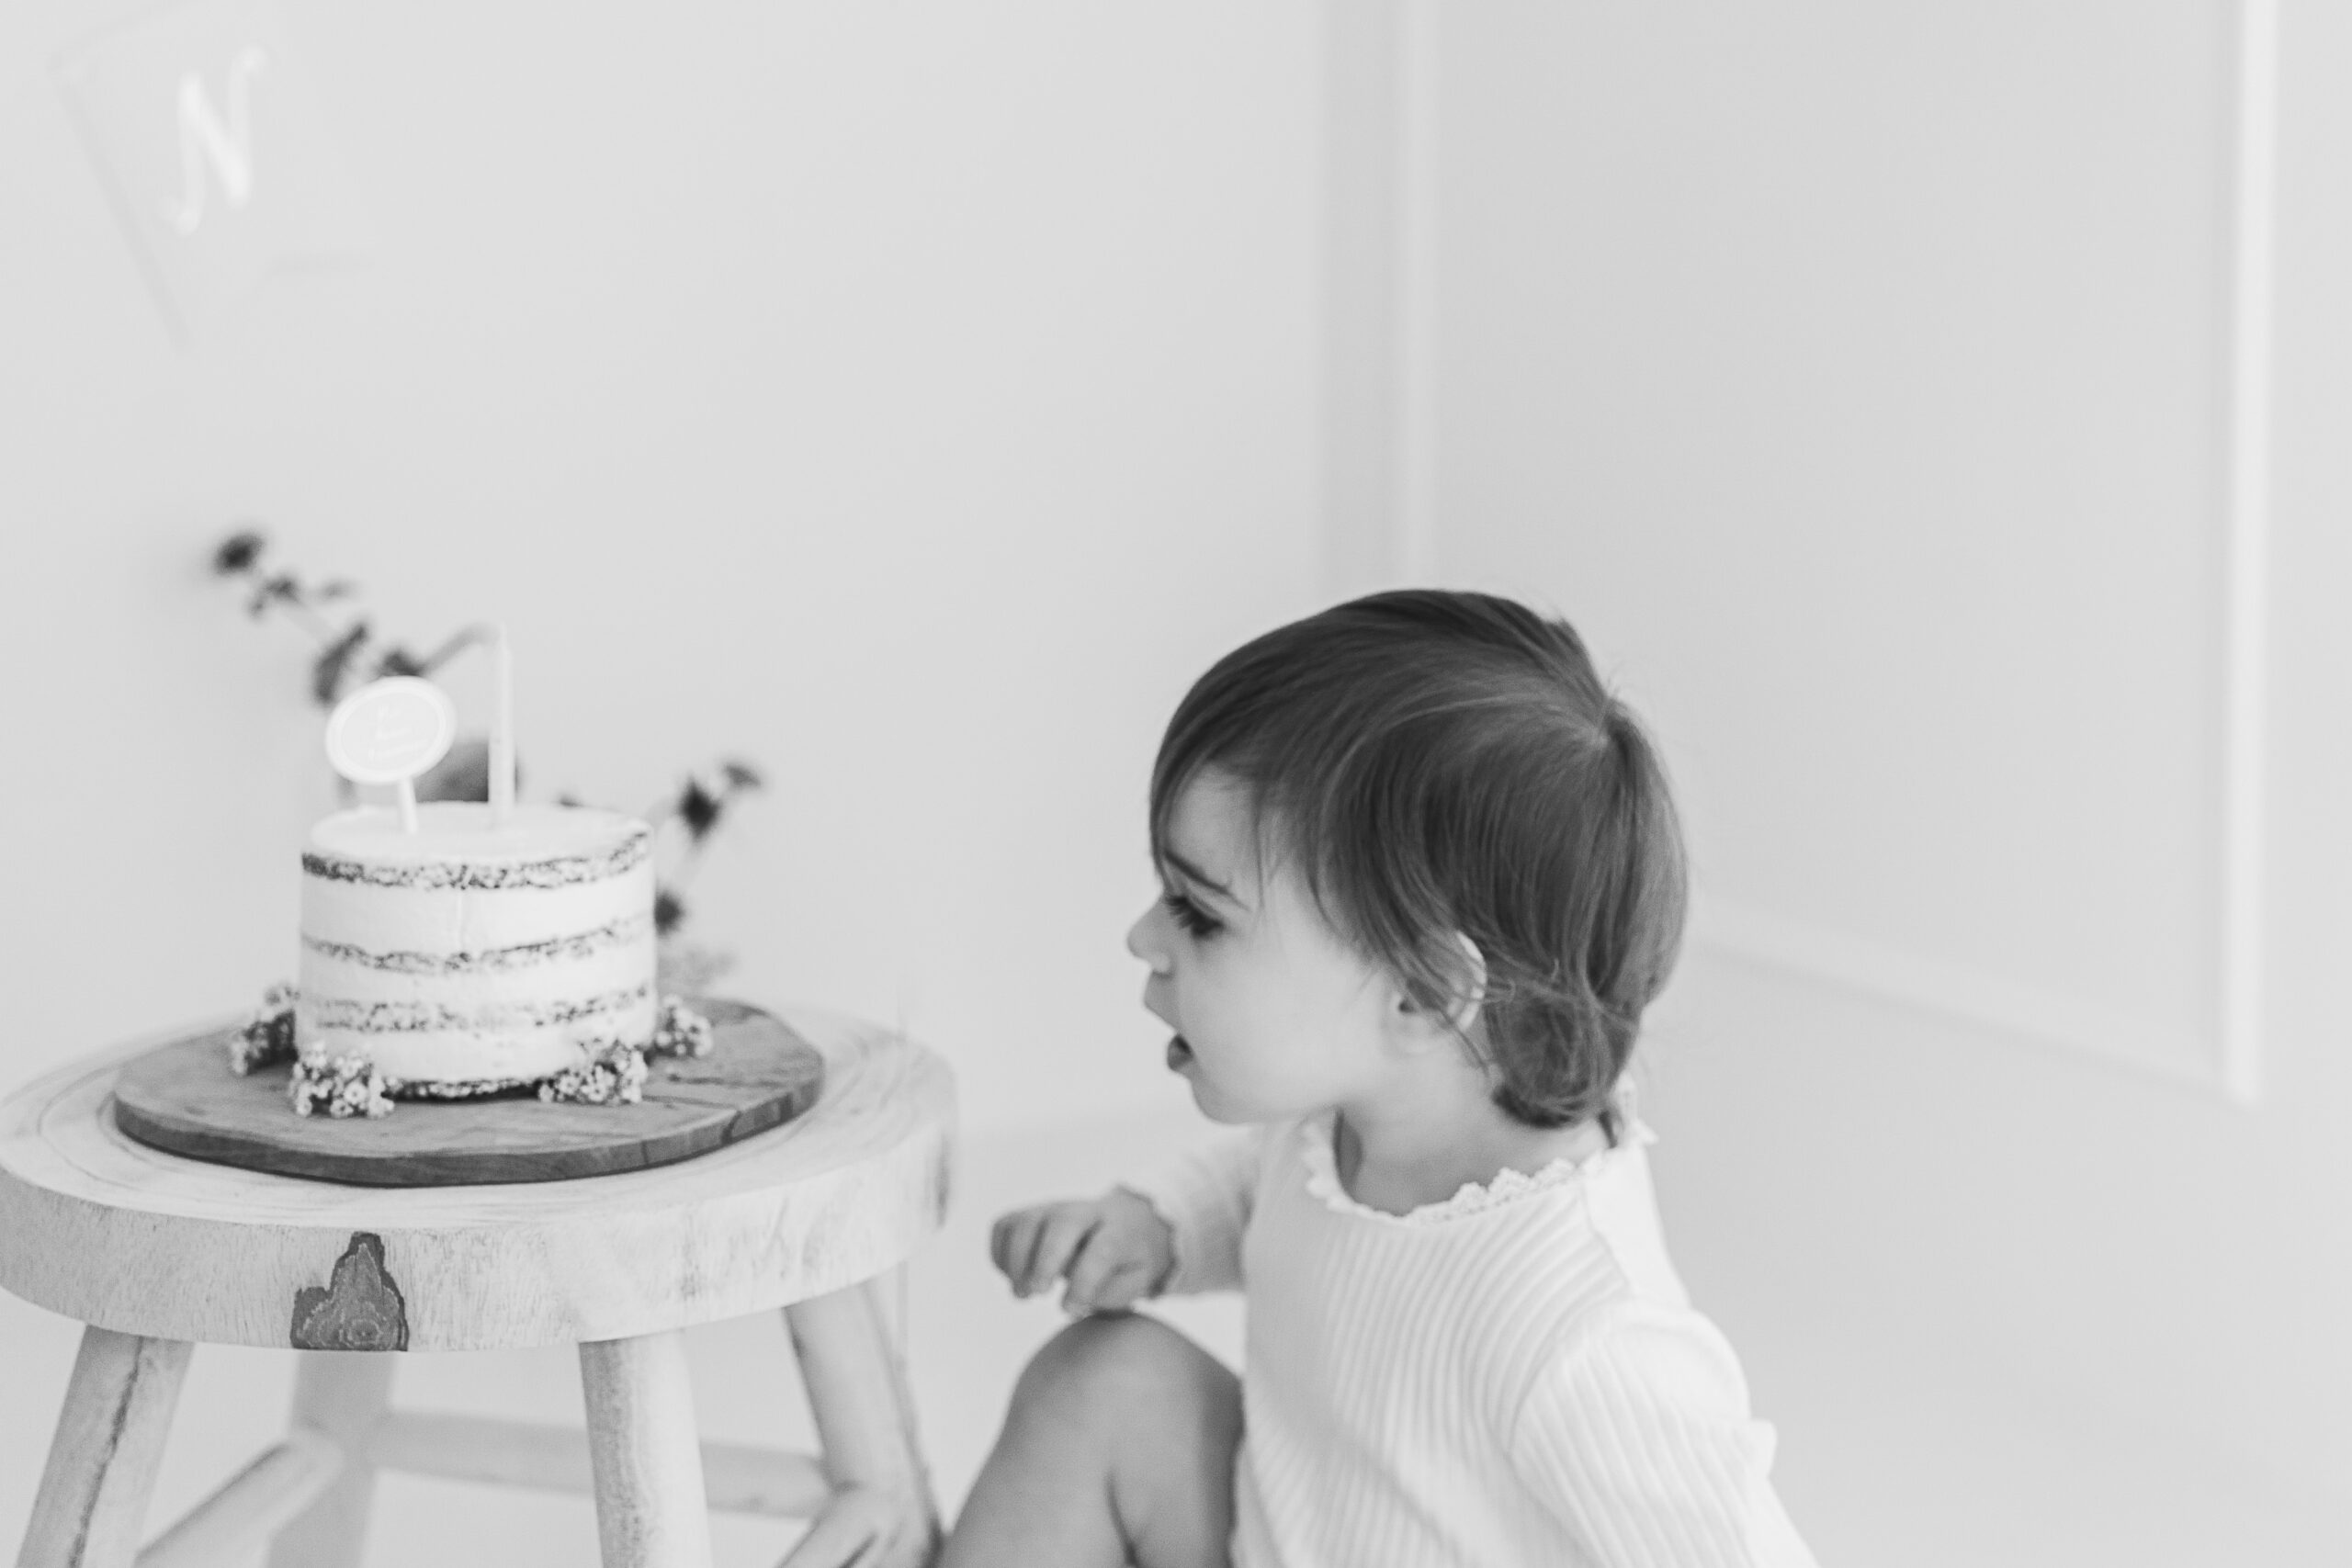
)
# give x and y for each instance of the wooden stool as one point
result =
(157, 1254)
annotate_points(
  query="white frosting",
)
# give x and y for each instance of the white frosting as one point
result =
(465, 954)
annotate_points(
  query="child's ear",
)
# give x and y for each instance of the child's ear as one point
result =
(1462, 1015)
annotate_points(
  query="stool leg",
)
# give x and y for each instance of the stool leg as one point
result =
(882, 1514)
(342, 1394)
(651, 1508)
(92, 1506)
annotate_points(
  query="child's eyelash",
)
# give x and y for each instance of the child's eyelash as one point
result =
(1189, 915)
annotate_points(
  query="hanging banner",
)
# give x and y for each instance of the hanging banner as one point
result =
(213, 147)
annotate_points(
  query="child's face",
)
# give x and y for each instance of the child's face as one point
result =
(1274, 1015)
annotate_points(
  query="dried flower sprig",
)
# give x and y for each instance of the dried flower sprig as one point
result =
(267, 1036)
(698, 807)
(350, 653)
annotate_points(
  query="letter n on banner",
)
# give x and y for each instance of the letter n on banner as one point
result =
(214, 151)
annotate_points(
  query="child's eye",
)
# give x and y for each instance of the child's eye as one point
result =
(1189, 915)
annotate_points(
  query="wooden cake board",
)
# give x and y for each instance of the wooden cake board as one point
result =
(182, 1097)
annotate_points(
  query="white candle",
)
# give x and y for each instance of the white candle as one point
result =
(501, 733)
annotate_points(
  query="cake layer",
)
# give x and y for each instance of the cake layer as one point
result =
(468, 991)
(420, 1017)
(388, 920)
(456, 845)
(468, 952)
(619, 935)
(511, 1051)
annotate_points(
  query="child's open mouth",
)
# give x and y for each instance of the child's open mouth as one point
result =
(1179, 1054)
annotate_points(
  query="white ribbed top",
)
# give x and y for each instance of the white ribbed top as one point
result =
(1512, 1376)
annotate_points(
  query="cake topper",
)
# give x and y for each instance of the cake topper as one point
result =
(352, 650)
(391, 729)
(388, 732)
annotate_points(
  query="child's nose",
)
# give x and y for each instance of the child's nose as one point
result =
(1142, 942)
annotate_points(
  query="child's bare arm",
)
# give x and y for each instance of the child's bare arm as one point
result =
(1111, 1251)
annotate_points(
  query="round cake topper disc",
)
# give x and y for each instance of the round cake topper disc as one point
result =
(390, 730)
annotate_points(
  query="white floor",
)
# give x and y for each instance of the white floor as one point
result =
(1884, 1459)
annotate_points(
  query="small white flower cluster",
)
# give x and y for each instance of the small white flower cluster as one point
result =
(268, 1037)
(346, 1087)
(614, 1073)
(614, 1076)
(680, 1032)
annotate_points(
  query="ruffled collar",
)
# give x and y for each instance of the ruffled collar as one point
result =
(1322, 1165)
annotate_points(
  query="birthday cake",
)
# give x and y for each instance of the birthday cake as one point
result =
(470, 955)
(454, 949)
(476, 953)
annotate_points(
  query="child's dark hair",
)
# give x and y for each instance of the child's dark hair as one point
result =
(1439, 763)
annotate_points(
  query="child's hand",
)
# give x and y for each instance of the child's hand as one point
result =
(1113, 1250)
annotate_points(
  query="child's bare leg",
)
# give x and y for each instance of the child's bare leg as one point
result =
(1118, 1449)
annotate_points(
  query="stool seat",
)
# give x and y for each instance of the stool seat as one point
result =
(156, 1253)
(100, 1228)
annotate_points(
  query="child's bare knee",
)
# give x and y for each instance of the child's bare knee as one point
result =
(1099, 1364)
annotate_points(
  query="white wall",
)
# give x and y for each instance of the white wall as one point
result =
(914, 398)
(911, 399)
(1857, 376)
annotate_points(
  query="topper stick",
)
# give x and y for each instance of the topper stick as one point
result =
(502, 731)
(388, 732)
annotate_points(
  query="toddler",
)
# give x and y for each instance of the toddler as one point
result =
(1421, 875)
